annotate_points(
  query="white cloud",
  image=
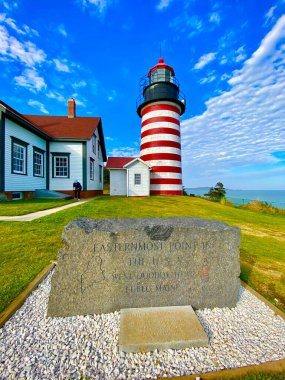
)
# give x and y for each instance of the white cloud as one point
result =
(100, 5)
(4, 40)
(224, 60)
(125, 151)
(38, 105)
(215, 18)
(204, 60)
(270, 15)
(186, 25)
(80, 103)
(225, 76)
(12, 24)
(25, 52)
(61, 65)
(10, 5)
(163, 4)
(61, 29)
(109, 138)
(31, 80)
(79, 84)
(240, 54)
(112, 95)
(241, 127)
(57, 96)
(208, 79)
(268, 44)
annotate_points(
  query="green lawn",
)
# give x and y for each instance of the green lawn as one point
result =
(27, 247)
(21, 207)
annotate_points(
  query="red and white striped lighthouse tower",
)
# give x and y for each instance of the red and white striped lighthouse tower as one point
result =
(160, 105)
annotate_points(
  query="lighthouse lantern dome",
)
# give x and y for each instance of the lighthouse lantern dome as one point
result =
(161, 72)
(160, 84)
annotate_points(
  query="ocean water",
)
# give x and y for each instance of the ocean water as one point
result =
(274, 197)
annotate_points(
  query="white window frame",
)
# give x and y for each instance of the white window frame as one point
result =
(55, 157)
(41, 165)
(23, 160)
(137, 179)
(92, 164)
(93, 141)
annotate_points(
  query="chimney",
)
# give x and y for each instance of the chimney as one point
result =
(71, 108)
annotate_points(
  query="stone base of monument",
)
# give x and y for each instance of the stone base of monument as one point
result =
(161, 328)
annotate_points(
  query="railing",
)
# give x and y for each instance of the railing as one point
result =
(157, 77)
(161, 93)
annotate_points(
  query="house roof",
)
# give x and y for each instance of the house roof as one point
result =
(60, 127)
(64, 127)
(118, 162)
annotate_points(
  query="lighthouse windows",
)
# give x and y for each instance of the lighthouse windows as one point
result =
(138, 178)
(161, 75)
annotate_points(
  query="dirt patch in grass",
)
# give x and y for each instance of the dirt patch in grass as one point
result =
(262, 232)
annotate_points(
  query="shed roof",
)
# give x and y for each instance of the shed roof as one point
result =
(118, 162)
(123, 162)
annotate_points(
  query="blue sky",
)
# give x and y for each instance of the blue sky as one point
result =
(228, 56)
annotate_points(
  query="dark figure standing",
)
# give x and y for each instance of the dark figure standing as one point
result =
(77, 189)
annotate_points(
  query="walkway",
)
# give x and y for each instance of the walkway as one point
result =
(40, 214)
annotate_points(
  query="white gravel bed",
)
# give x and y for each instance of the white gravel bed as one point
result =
(33, 346)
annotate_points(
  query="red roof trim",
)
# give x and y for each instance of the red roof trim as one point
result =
(118, 162)
(161, 65)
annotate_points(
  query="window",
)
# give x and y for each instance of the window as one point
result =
(38, 162)
(98, 150)
(91, 169)
(19, 156)
(161, 75)
(94, 144)
(100, 172)
(137, 179)
(60, 166)
(17, 196)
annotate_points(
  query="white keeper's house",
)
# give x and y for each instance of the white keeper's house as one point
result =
(41, 155)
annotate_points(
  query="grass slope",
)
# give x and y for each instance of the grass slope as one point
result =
(13, 208)
(27, 247)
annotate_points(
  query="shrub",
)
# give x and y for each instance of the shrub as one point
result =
(3, 197)
(225, 202)
(260, 206)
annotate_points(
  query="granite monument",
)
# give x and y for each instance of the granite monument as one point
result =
(112, 264)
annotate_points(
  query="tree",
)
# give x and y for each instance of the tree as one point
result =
(184, 192)
(216, 193)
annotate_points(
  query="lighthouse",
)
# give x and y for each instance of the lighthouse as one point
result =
(160, 105)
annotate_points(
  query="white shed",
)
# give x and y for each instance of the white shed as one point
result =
(129, 176)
